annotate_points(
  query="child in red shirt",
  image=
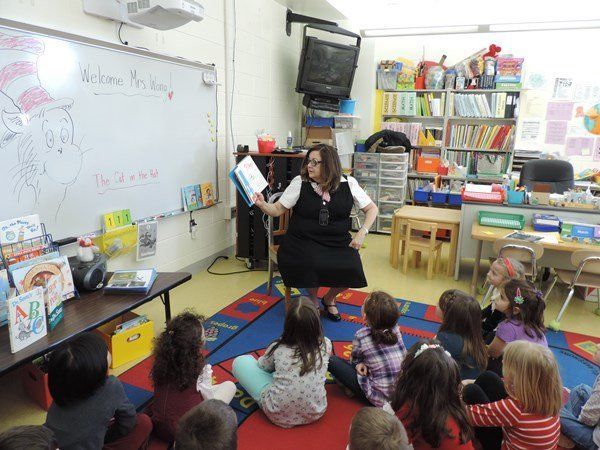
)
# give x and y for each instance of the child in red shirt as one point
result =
(427, 401)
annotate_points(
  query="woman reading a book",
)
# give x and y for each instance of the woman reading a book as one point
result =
(318, 250)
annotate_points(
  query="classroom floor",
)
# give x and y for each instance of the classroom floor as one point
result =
(209, 293)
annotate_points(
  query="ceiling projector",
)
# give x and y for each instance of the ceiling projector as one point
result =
(157, 14)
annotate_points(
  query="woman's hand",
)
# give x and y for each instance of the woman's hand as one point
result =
(259, 200)
(361, 369)
(358, 240)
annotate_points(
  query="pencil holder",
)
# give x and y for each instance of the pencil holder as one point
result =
(515, 197)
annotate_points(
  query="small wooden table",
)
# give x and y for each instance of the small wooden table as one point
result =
(86, 313)
(446, 219)
(550, 241)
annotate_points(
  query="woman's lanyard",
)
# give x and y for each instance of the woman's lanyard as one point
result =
(324, 211)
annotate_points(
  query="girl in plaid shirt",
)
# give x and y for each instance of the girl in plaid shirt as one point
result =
(377, 352)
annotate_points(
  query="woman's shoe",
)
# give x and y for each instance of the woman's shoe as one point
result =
(331, 316)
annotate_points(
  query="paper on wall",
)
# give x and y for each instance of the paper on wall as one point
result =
(556, 132)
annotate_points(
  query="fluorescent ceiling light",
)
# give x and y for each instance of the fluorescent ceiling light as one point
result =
(381, 32)
(538, 26)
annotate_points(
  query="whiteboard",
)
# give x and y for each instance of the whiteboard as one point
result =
(89, 127)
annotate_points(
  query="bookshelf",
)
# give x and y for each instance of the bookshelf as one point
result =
(452, 121)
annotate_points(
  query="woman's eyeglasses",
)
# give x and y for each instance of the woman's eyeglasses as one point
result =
(314, 162)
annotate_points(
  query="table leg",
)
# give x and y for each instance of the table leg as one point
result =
(167, 303)
(395, 242)
(476, 268)
(453, 250)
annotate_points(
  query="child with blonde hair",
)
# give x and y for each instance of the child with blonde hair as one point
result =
(377, 352)
(376, 429)
(501, 271)
(523, 410)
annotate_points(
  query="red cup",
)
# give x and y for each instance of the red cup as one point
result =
(266, 146)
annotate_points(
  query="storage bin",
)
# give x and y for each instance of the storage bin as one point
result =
(394, 157)
(319, 121)
(386, 165)
(366, 157)
(515, 197)
(384, 224)
(364, 173)
(345, 122)
(454, 199)
(347, 106)
(501, 220)
(360, 147)
(35, 384)
(366, 165)
(387, 79)
(388, 194)
(392, 182)
(370, 189)
(393, 173)
(387, 209)
(439, 198)
(427, 164)
(129, 344)
(265, 146)
(421, 196)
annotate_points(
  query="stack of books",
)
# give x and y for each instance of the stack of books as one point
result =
(131, 281)
(483, 137)
(508, 73)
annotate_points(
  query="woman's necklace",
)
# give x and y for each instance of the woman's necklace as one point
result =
(325, 199)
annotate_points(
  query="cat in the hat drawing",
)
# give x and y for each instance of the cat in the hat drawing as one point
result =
(36, 126)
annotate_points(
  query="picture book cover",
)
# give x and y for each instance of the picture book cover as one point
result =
(4, 285)
(54, 301)
(33, 276)
(147, 238)
(135, 281)
(191, 199)
(208, 196)
(20, 229)
(248, 179)
(26, 319)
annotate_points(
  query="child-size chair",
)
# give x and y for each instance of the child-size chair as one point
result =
(527, 253)
(420, 244)
(587, 274)
(284, 220)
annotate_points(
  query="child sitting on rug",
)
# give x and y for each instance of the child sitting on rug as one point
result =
(288, 381)
(460, 335)
(523, 306)
(501, 271)
(376, 429)
(210, 425)
(580, 417)
(446, 299)
(427, 402)
(90, 408)
(521, 411)
(181, 377)
(377, 352)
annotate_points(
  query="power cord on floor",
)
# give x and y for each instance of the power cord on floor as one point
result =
(226, 273)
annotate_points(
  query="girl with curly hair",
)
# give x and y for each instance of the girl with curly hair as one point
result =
(181, 377)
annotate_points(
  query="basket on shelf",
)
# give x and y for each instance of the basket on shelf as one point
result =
(501, 220)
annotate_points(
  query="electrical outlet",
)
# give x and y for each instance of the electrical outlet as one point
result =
(233, 212)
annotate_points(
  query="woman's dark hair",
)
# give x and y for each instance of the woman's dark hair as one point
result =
(77, 369)
(448, 297)
(178, 358)
(429, 385)
(302, 331)
(382, 315)
(531, 310)
(331, 167)
(463, 317)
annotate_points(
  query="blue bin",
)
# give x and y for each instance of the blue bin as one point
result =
(515, 197)
(439, 198)
(360, 148)
(347, 106)
(319, 121)
(454, 199)
(421, 196)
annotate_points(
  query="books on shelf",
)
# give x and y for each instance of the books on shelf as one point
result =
(247, 179)
(410, 129)
(31, 276)
(508, 69)
(501, 105)
(192, 198)
(26, 319)
(54, 301)
(131, 281)
(413, 104)
(483, 137)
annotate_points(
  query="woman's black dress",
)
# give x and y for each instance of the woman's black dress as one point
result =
(312, 255)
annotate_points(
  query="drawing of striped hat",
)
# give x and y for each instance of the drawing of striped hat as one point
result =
(19, 74)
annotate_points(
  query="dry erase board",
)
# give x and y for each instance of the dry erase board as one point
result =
(90, 127)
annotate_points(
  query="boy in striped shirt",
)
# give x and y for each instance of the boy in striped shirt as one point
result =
(521, 413)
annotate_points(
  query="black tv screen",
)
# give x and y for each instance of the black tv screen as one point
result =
(326, 68)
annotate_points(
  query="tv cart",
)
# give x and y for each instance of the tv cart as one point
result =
(322, 103)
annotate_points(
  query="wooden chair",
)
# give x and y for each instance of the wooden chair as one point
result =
(587, 274)
(419, 244)
(527, 253)
(284, 221)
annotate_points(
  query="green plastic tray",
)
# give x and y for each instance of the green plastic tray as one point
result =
(501, 220)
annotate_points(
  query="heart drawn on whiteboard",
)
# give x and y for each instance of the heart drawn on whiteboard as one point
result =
(170, 95)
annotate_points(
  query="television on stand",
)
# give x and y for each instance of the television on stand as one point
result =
(326, 69)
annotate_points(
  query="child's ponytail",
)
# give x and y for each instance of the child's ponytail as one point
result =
(385, 337)
(382, 314)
